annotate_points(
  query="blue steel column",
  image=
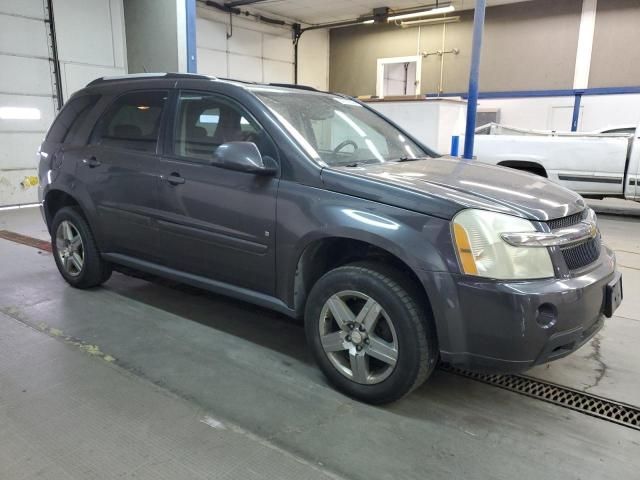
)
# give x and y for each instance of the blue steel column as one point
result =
(474, 75)
(192, 61)
(576, 112)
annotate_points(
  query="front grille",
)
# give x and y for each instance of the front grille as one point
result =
(582, 254)
(569, 221)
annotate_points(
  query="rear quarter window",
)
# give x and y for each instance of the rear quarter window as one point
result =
(70, 118)
(132, 121)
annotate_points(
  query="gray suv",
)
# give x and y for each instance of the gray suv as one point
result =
(315, 205)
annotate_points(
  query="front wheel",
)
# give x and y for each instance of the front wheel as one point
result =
(370, 333)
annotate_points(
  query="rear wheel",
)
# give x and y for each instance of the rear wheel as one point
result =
(75, 251)
(370, 332)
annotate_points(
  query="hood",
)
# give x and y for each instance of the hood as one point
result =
(443, 186)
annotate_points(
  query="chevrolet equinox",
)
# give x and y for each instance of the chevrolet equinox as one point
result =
(317, 206)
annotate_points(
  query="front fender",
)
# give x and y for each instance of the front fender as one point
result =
(420, 241)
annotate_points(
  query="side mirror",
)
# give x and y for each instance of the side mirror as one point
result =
(243, 157)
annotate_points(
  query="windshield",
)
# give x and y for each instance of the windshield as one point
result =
(337, 131)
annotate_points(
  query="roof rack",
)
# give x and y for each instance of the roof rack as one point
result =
(294, 85)
(141, 76)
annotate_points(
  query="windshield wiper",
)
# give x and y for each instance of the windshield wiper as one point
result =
(406, 159)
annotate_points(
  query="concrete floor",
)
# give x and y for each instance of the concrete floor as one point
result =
(153, 380)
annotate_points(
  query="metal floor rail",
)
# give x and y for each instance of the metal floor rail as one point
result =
(583, 402)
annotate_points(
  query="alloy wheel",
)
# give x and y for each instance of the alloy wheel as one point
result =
(70, 248)
(358, 337)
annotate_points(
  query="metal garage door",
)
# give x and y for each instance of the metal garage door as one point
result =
(27, 95)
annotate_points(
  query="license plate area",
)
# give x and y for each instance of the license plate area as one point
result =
(613, 295)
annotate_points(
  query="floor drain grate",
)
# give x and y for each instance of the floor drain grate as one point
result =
(583, 402)
(25, 240)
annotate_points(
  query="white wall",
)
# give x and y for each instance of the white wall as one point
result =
(597, 111)
(259, 52)
(91, 41)
(432, 121)
(254, 52)
(90, 44)
(313, 59)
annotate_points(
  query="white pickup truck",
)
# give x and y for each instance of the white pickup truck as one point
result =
(596, 165)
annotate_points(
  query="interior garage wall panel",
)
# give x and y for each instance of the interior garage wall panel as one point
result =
(43, 104)
(90, 43)
(259, 52)
(253, 52)
(246, 68)
(27, 8)
(528, 45)
(18, 152)
(11, 190)
(101, 23)
(34, 74)
(615, 58)
(213, 62)
(84, 31)
(25, 82)
(313, 59)
(277, 48)
(245, 42)
(23, 36)
(20, 138)
(277, 72)
(76, 76)
(211, 34)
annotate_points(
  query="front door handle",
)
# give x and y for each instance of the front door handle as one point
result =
(91, 162)
(174, 179)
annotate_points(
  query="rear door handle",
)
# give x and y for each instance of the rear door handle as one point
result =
(91, 162)
(174, 179)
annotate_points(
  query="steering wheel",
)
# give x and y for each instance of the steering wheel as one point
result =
(344, 144)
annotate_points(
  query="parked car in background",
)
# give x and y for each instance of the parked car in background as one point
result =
(596, 165)
(315, 205)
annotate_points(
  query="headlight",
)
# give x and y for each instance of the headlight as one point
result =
(482, 252)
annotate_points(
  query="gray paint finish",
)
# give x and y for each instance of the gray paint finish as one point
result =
(527, 46)
(530, 46)
(615, 59)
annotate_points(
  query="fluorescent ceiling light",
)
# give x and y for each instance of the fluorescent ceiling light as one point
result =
(19, 113)
(433, 11)
(430, 21)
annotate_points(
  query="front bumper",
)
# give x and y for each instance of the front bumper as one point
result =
(496, 326)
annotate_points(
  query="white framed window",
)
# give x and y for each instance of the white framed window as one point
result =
(399, 76)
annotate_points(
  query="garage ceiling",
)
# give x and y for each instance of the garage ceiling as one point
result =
(329, 11)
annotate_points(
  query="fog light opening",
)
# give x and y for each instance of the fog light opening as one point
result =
(547, 315)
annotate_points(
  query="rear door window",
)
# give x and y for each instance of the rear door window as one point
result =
(71, 117)
(132, 122)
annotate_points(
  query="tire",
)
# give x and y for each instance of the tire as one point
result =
(398, 336)
(78, 261)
